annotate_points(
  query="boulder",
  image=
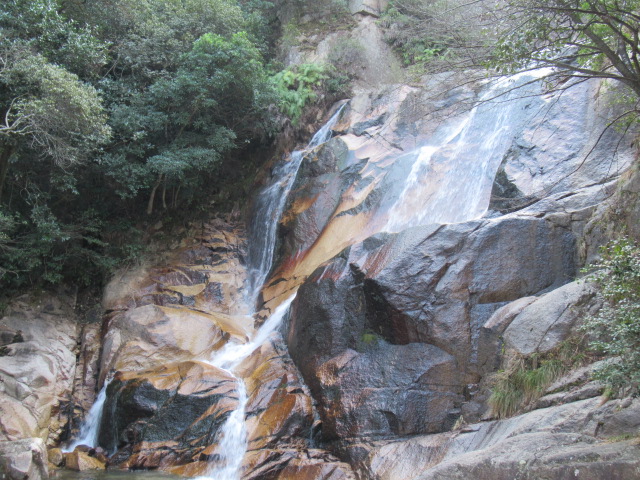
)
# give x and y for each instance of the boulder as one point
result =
(387, 335)
(549, 320)
(24, 459)
(151, 335)
(37, 366)
(81, 461)
(368, 7)
(166, 416)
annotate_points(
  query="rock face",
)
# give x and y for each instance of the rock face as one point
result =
(24, 459)
(166, 416)
(387, 336)
(547, 443)
(37, 366)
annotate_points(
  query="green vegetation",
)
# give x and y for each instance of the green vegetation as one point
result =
(525, 379)
(616, 328)
(115, 113)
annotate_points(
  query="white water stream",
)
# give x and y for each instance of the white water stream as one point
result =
(452, 177)
(90, 427)
(270, 205)
(233, 445)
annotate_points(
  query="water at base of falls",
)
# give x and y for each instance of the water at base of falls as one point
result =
(233, 445)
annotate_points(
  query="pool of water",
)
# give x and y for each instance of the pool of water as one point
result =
(111, 475)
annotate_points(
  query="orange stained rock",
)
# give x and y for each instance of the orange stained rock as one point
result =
(193, 469)
(188, 378)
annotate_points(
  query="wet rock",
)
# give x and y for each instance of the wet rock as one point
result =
(85, 382)
(167, 416)
(36, 374)
(279, 408)
(81, 461)
(285, 464)
(23, 459)
(55, 457)
(151, 335)
(388, 334)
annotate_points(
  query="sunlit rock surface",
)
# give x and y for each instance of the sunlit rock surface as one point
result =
(23, 459)
(37, 366)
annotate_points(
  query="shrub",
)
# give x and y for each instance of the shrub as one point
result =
(297, 87)
(525, 379)
(615, 329)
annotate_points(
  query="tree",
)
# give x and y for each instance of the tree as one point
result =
(46, 111)
(181, 127)
(580, 39)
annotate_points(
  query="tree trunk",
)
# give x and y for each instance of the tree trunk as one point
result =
(164, 194)
(5, 155)
(152, 197)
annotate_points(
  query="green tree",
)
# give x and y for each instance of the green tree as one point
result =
(616, 327)
(47, 112)
(580, 39)
(182, 126)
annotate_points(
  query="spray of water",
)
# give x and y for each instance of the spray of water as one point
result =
(452, 176)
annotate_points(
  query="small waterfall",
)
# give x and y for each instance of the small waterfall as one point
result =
(451, 179)
(90, 427)
(269, 207)
(233, 445)
(270, 204)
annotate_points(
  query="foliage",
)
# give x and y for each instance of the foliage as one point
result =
(616, 327)
(439, 35)
(103, 104)
(47, 109)
(525, 379)
(297, 86)
(581, 39)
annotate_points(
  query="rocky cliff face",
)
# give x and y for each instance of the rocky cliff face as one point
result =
(426, 242)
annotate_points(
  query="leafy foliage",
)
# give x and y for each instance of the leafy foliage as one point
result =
(616, 327)
(110, 105)
(297, 87)
(440, 35)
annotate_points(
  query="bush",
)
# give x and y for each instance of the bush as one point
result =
(616, 327)
(525, 379)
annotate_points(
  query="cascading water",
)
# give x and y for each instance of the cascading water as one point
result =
(269, 206)
(451, 179)
(90, 427)
(233, 445)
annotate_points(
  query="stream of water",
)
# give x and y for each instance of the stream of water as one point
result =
(270, 205)
(452, 177)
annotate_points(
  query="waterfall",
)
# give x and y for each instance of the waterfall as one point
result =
(233, 445)
(269, 207)
(90, 427)
(451, 179)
